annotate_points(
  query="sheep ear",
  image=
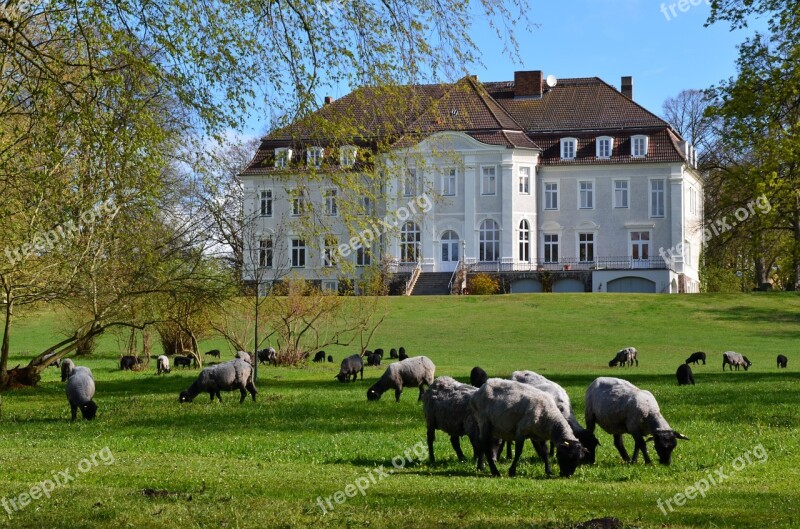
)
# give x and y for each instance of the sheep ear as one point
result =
(680, 436)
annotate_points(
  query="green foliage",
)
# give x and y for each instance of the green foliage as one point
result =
(717, 279)
(483, 285)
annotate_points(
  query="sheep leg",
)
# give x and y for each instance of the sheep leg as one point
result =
(74, 411)
(397, 393)
(640, 444)
(243, 394)
(518, 446)
(252, 389)
(431, 439)
(211, 393)
(541, 450)
(421, 391)
(621, 448)
(486, 442)
(219, 397)
(552, 448)
(456, 442)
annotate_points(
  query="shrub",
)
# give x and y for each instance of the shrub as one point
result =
(483, 285)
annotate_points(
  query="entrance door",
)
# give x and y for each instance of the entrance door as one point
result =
(450, 251)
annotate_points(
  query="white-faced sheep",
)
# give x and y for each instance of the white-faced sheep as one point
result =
(162, 364)
(513, 411)
(228, 376)
(80, 392)
(587, 438)
(67, 366)
(351, 366)
(414, 372)
(446, 407)
(619, 407)
(625, 357)
(732, 358)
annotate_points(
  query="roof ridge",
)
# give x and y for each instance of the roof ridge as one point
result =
(483, 94)
(620, 94)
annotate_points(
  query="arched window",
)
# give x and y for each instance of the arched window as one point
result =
(489, 241)
(409, 243)
(524, 241)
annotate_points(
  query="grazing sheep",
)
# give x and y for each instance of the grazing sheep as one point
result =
(330, 359)
(782, 361)
(619, 407)
(213, 352)
(413, 372)
(478, 377)
(446, 407)
(67, 366)
(560, 397)
(684, 374)
(129, 362)
(319, 357)
(696, 357)
(513, 411)
(402, 356)
(234, 374)
(393, 353)
(47, 357)
(268, 355)
(184, 361)
(351, 366)
(378, 351)
(80, 392)
(244, 355)
(732, 358)
(162, 364)
(373, 359)
(624, 357)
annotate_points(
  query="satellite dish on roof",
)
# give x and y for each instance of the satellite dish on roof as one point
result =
(551, 81)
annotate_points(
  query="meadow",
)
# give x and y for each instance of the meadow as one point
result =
(278, 461)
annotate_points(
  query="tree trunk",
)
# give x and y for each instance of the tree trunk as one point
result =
(794, 285)
(760, 273)
(4, 349)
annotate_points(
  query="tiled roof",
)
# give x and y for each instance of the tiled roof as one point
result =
(661, 148)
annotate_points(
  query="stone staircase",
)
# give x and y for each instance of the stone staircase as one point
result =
(432, 284)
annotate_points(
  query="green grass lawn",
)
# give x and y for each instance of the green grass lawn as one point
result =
(265, 464)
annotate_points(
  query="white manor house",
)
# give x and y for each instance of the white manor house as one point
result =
(551, 185)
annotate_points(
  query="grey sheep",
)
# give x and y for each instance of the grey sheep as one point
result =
(560, 397)
(228, 376)
(351, 366)
(418, 371)
(446, 408)
(67, 366)
(80, 392)
(619, 407)
(732, 358)
(513, 411)
(624, 357)
(162, 364)
(684, 374)
(244, 355)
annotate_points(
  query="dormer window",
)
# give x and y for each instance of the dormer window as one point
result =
(282, 157)
(605, 146)
(639, 146)
(569, 146)
(347, 156)
(314, 156)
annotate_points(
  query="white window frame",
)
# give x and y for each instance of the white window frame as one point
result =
(449, 182)
(599, 147)
(331, 202)
(282, 157)
(627, 190)
(410, 182)
(298, 202)
(581, 243)
(546, 194)
(410, 242)
(266, 199)
(485, 244)
(649, 242)
(365, 205)
(588, 193)
(524, 180)
(329, 252)
(693, 201)
(363, 256)
(489, 181)
(550, 245)
(266, 252)
(524, 241)
(640, 153)
(330, 285)
(347, 155)
(651, 195)
(564, 150)
(314, 156)
(298, 249)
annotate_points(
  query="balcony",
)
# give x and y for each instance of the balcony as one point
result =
(569, 264)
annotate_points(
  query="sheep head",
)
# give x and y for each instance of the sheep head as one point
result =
(569, 455)
(372, 394)
(665, 442)
(747, 363)
(185, 396)
(89, 410)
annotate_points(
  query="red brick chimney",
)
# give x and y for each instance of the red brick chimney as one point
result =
(328, 100)
(528, 84)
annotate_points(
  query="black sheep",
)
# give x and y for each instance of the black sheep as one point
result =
(183, 361)
(696, 357)
(213, 352)
(330, 359)
(378, 352)
(393, 353)
(403, 355)
(684, 375)
(373, 359)
(782, 361)
(320, 356)
(129, 362)
(478, 377)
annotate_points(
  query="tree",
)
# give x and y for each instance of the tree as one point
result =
(686, 112)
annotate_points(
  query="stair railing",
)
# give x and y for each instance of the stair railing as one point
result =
(412, 282)
(453, 277)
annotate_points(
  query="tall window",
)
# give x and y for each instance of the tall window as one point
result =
(489, 181)
(551, 195)
(605, 146)
(328, 255)
(410, 183)
(640, 245)
(266, 203)
(524, 241)
(657, 198)
(639, 145)
(450, 244)
(569, 146)
(298, 253)
(409, 242)
(314, 157)
(692, 201)
(365, 205)
(586, 195)
(586, 247)
(363, 256)
(620, 193)
(550, 247)
(449, 182)
(265, 252)
(331, 206)
(298, 202)
(489, 241)
(525, 180)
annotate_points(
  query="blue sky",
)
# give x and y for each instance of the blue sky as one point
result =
(611, 38)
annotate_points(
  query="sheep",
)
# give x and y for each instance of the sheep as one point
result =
(244, 355)
(80, 392)
(478, 377)
(513, 411)
(129, 362)
(351, 366)
(234, 374)
(782, 361)
(625, 357)
(162, 364)
(619, 407)
(56, 363)
(413, 372)
(330, 359)
(732, 358)
(268, 355)
(213, 352)
(560, 397)
(393, 353)
(684, 374)
(696, 357)
(446, 408)
(184, 361)
(378, 351)
(319, 357)
(402, 356)
(67, 366)
(373, 359)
